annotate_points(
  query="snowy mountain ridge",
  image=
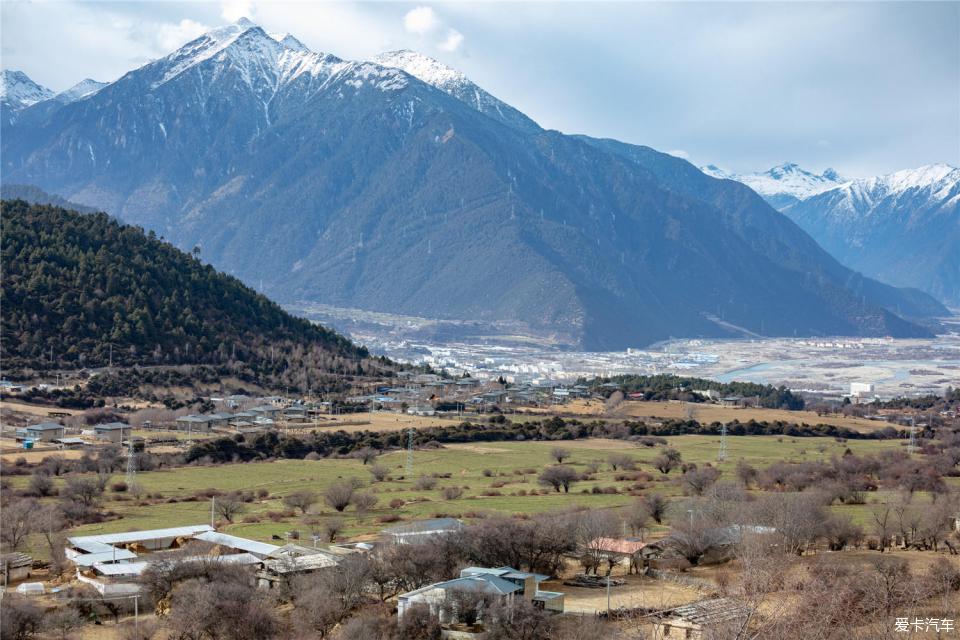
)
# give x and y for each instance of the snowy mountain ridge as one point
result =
(455, 83)
(784, 184)
(83, 89)
(937, 182)
(18, 91)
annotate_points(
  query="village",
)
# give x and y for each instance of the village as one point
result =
(652, 553)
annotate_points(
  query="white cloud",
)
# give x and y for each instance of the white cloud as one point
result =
(679, 153)
(171, 36)
(452, 42)
(233, 10)
(421, 21)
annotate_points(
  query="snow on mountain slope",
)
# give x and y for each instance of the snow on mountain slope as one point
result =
(784, 184)
(17, 90)
(456, 84)
(935, 183)
(903, 228)
(267, 64)
(290, 42)
(79, 91)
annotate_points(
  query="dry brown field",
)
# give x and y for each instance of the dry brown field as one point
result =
(707, 413)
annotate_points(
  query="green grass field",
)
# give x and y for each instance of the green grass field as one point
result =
(513, 465)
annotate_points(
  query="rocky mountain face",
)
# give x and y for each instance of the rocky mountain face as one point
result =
(902, 228)
(398, 185)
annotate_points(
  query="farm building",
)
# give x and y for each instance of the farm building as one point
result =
(15, 567)
(701, 620)
(43, 432)
(193, 423)
(422, 530)
(111, 431)
(619, 550)
(292, 560)
(111, 563)
(499, 583)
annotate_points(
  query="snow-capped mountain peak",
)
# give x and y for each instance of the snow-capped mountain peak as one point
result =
(903, 227)
(18, 91)
(424, 68)
(79, 91)
(456, 84)
(939, 183)
(264, 61)
(290, 42)
(783, 184)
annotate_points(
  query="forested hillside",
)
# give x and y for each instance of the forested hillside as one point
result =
(79, 289)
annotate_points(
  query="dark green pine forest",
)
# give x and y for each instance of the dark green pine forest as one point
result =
(77, 287)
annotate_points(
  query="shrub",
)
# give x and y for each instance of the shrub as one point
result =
(425, 483)
(452, 493)
(119, 487)
(396, 503)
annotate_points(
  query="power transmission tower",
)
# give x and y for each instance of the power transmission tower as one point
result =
(410, 453)
(722, 455)
(912, 445)
(131, 461)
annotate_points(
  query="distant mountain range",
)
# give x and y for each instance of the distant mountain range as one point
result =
(398, 185)
(782, 185)
(902, 228)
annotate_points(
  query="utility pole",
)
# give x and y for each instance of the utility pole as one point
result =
(608, 594)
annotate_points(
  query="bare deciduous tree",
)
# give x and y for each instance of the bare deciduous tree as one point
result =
(302, 500)
(696, 481)
(332, 528)
(339, 495)
(379, 472)
(621, 461)
(366, 454)
(229, 506)
(18, 521)
(364, 502)
(657, 505)
(559, 477)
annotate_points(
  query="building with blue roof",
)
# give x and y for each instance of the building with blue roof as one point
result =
(501, 583)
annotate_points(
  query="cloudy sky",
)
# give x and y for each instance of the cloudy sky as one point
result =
(865, 87)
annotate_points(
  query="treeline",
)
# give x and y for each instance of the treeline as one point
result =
(672, 387)
(498, 429)
(150, 384)
(80, 290)
(950, 399)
